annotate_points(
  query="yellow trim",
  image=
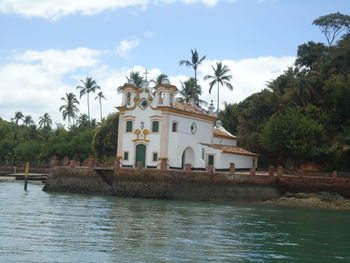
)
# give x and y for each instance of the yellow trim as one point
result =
(129, 117)
(132, 87)
(140, 140)
(162, 158)
(187, 113)
(155, 117)
(119, 156)
(166, 87)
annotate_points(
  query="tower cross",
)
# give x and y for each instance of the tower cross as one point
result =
(146, 73)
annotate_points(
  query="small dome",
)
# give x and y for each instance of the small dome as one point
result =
(166, 81)
(218, 123)
(131, 82)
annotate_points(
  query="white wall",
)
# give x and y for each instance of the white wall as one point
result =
(241, 161)
(183, 138)
(224, 141)
(154, 138)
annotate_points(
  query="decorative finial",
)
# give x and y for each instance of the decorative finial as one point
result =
(146, 73)
(211, 106)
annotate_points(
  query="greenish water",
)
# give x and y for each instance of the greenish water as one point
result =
(49, 227)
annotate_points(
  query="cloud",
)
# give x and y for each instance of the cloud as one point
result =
(35, 81)
(248, 76)
(125, 46)
(56, 9)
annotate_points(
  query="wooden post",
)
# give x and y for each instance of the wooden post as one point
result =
(279, 171)
(26, 176)
(232, 168)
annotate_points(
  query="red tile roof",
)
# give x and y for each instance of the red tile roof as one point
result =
(190, 108)
(230, 149)
(222, 134)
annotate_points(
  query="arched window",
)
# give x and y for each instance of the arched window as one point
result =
(128, 98)
(160, 100)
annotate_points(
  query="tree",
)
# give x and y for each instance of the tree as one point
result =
(222, 77)
(229, 117)
(83, 120)
(292, 133)
(69, 109)
(190, 90)
(159, 79)
(194, 62)
(89, 85)
(18, 117)
(100, 96)
(332, 25)
(105, 140)
(136, 78)
(45, 121)
(28, 120)
(309, 54)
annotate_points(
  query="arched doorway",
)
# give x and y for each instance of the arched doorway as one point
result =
(188, 157)
(140, 154)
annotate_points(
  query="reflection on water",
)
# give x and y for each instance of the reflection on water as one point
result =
(48, 227)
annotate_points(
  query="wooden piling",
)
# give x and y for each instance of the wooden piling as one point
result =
(26, 176)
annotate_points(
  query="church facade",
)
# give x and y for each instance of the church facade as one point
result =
(154, 126)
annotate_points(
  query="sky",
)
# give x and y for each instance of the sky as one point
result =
(48, 46)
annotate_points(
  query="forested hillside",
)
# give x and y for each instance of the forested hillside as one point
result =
(303, 116)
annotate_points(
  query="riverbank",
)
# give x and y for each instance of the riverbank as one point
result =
(325, 200)
(202, 186)
(169, 184)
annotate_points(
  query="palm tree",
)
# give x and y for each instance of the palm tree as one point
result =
(45, 121)
(159, 79)
(191, 91)
(194, 63)
(100, 96)
(69, 109)
(89, 85)
(18, 116)
(28, 120)
(136, 77)
(222, 77)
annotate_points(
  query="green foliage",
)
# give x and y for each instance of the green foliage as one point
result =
(190, 90)
(309, 54)
(332, 25)
(304, 116)
(106, 137)
(293, 133)
(28, 151)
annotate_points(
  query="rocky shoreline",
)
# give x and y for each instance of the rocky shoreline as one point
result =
(327, 200)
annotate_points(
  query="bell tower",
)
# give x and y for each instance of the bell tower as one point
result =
(165, 93)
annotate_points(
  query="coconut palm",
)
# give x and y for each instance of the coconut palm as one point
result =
(45, 121)
(159, 79)
(222, 77)
(191, 91)
(100, 96)
(18, 117)
(89, 85)
(28, 120)
(69, 109)
(136, 77)
(194, 62)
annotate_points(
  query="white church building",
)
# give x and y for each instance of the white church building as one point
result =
(154, 126)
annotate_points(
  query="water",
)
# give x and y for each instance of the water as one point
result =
(49, 227)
